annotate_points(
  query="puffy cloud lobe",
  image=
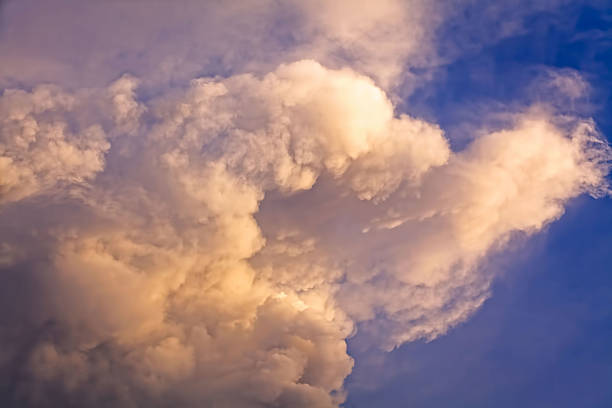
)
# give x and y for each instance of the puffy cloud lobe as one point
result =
(48, 137)
(282, 131)
(217, 245)
(38, 151)
(506, 183)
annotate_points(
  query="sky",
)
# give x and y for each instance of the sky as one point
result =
(400, 203)
(542, 338)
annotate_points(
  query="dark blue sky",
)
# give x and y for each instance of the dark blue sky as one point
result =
(543, 338)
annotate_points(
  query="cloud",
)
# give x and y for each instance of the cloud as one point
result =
(172, 263)
(166, 44)
(216, 243)
(506, 183)
(48, 138)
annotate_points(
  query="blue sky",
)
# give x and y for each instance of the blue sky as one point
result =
(543, 338)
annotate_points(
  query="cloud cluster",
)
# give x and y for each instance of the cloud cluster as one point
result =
(214, 242)
(217, 244)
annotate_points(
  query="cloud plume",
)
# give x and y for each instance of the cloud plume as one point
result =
(216, 243)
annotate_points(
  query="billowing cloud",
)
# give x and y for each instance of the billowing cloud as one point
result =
(158, 277)
(216, 243)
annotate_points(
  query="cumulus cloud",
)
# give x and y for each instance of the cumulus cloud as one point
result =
(221, 245)
(216, 243)
(49, 139)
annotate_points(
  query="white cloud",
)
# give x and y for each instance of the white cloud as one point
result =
(216, 243)
(234, 238)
